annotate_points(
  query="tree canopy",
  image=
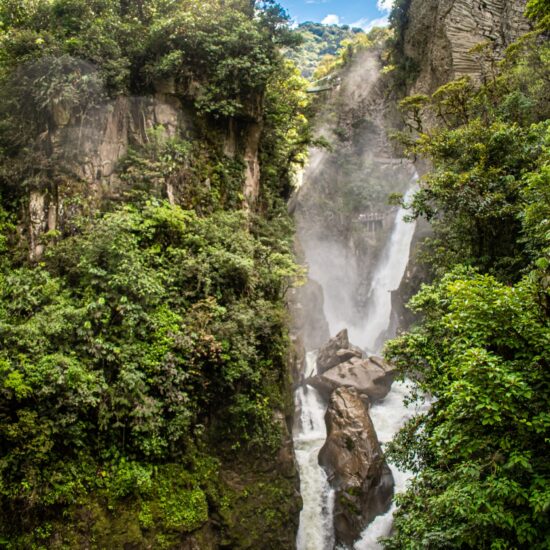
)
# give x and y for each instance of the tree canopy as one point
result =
(481, 352)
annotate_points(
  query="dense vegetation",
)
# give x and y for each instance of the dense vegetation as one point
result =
(482, 351)
(143, 342)
(143, 355)
(319, 42)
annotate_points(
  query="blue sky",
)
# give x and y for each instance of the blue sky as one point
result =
(360, 13)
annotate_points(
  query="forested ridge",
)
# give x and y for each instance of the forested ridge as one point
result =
(319, 41)
(143, 331)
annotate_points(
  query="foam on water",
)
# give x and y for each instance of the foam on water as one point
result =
(316, 531)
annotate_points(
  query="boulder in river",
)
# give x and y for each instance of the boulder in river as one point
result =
(372, 376)
(337, 350)
(355, 465)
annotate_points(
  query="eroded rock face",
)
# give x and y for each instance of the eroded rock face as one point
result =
(372, 376)
(308, 318)
(336, 351)
(355, 465)
(441, 33)
(90, 141)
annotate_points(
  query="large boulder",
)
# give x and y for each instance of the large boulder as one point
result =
(355, 465)
(372, 376)
(337, 350)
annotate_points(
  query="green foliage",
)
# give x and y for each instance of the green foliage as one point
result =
(130, 337)
(350, 49)
(148, 347)
(413, 108)
(483, 477)
(286, 132)
(193, 171)
(482, 349)
(539, 10)
(230, 56)
(318, 42)
(227, 61)
(492, 136)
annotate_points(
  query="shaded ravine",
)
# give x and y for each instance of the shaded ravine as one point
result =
(316, 530)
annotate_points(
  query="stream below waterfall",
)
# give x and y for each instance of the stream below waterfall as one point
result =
(316, 531)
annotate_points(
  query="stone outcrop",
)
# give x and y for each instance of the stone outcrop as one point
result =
(372, 377)
(441, 33)
(88, 142)
(337, 350)
(355, 465)
(92, 143)
(308, 318)
(341, 364)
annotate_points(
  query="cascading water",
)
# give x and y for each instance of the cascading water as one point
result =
(386, 278)
(389, 415)
(316, 529)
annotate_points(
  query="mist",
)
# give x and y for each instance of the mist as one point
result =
(343, 217)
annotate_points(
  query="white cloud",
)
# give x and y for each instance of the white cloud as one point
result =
(367, 24)
(385, 5)
(331, 19)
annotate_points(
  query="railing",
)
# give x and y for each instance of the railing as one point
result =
(324, 84)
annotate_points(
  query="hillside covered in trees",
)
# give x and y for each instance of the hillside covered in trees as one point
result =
(148, 151)
(482, 350)
(143, 331)
(317, 42)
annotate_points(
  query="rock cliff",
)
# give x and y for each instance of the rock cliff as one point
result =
(89, 143)
(440, 34)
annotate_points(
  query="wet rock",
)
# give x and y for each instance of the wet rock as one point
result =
(372, 376)
(355, 465)
(308, 318)
(337, 350)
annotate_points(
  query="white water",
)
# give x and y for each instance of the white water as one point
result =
(316, 529)
(386, 278)
(388, 416)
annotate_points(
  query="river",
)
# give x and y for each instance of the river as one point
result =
(316, 530)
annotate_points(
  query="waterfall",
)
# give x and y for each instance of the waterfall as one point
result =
(387, 277)
(316, 529)
(388, 416)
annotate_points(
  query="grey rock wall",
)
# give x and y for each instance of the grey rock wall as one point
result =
(441, 33)
(88, 146)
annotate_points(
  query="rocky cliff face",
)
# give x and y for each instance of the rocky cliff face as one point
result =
(89, 145)
(441, 33)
